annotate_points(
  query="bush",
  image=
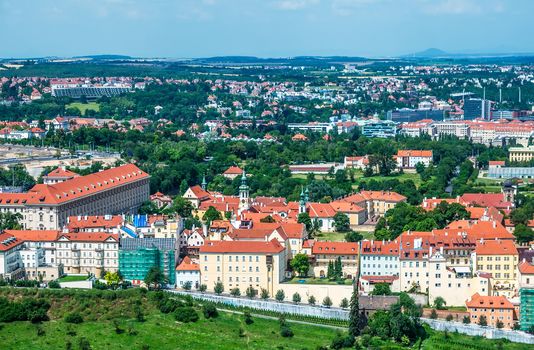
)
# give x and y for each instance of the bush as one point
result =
(218, 288)
(210, 311)
(54, 285)
(84, 344)
(202, 288)
(344, 303)
(187, 285)
(296, 298)
(186, 314)
(482, 321)
(311, 300)
(499, 324)
(280, 295)
(251, 292)
(285, 329)
(327, 302)
(235, 292)
(248, 317)
(264, 294)
(433, 314)
(466, 320)
(74, 317)
(449, 317)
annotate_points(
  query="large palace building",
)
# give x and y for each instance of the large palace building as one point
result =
(47, 206)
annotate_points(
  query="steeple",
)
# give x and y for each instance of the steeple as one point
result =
(244, 191)
(204, 183)
(302, 202)
(307, 195)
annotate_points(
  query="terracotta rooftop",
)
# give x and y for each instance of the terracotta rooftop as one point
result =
(493, 302)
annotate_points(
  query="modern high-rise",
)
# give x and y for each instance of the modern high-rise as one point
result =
(477, 108)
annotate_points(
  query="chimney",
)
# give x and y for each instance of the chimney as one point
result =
(494, 224)
(205, 230)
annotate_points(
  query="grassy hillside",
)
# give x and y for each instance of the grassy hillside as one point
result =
(136, 319)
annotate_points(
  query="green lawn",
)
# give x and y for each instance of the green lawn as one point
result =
(82, 107)
(330, 236)
(313, 280)
(161, 331)
(73, 278)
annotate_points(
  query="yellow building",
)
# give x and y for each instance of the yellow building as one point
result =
(242, 264)
(326, 252)
(521, 154)
(500, 258)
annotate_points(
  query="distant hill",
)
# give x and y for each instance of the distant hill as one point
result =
(431, 52)
(106, 57)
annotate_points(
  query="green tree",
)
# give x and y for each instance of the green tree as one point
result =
(311, 300)
(251, 292)
(113, 279)
(155, 278)
(355, 320)
(466, 320)
(235, 292)
(439, 303)
(211, 214)
(381, 289)
(344, 303)
(218, 288)
(523, 234)
(187, 285)
(280, 295)
(482, 321)
(264, 294)
(304, 218)
(341, 222)
(301, 264)
(327, 302)
(182, 207)
(296, 298)
(353, 236)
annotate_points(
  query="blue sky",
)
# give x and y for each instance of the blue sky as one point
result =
(266, 28)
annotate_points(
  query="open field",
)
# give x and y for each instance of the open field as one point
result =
(72, 278)
(82, 107)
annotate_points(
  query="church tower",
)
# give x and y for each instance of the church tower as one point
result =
(302, 202)
(244, 193)
(204, 184)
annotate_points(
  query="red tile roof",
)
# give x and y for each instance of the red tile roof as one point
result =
(233, 170)
(492, 302)
(497, 247)
(486, 200)
(35, 235)
(526, 268)
(8, 241)
(414, 153)
(83, 222)
(337, 248)
(272, 247)
(321, 210)
(187, 265)
(199, 192)
(89, 236)
(380, 248)
(62, 173)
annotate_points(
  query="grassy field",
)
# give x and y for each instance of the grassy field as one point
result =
(72, 278)
(82, 107)
(161, 331)
(454, 341)
(339, 236)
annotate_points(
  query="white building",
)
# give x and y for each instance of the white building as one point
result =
(188, 271)
(379, 258)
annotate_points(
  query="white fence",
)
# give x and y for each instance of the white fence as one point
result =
(282, 307)
(474, 330)
(343, 314)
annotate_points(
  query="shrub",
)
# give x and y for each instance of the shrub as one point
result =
(264, 294)
(311, 300)
(251, 292)
(210, 311)
(248, 317)
(449, 317)
(235, 292)
(202, 288)
(296, 298)
(344, 303)
(218, 288)
(482, 321)
(338, 342)
(327, 302)
(433, 314)
(187, 285)
(186, 314)
(466, 320)
(499, 324)
(280, 295)
(54, 285)
(84, 344)
(74, 317)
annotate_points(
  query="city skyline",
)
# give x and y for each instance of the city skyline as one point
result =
(274, 28)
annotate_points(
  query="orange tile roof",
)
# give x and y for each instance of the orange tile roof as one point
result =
(337, 248)
(82, 222)
(321, 210)
(496, 162)
(233, 170)
(187, 265)
(61, 173)
(414, 153)
(486, 200)
(8, 241)
(82, 186)
(526, 268)
(492, 302)
(89, 236)
(346, 207)
(388, 196)
(496, 247)
(380, 247)
(14, 198)
(35, 235)
(272, 247)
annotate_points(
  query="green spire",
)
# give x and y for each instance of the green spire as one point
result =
(302, 197)
(244, 185)
(307, 195)
(204, 183)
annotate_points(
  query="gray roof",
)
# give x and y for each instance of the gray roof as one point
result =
(137, 243)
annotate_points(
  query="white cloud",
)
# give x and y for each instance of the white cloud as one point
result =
(292, 5)
(461, 7)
